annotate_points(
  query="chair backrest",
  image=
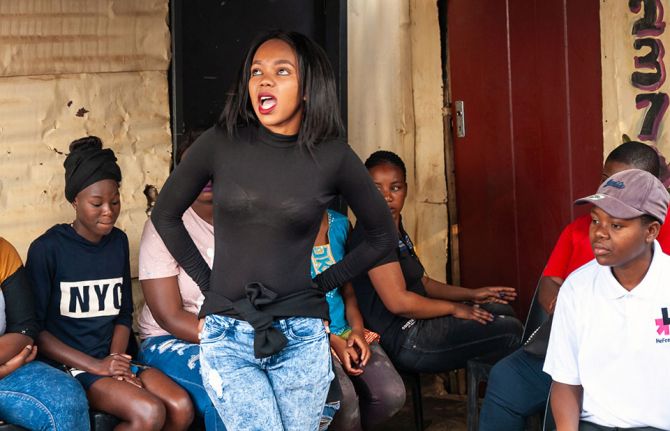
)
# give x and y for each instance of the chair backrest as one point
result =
(536, 315)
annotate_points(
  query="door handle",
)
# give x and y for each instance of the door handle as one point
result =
(460, 118)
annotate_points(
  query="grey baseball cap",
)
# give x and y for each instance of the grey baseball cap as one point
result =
(629, 194)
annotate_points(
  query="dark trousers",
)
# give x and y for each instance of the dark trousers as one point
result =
(517, 388)
(446, 343)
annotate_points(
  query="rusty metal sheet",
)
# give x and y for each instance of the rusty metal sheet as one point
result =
(40, 116)
(39, 37)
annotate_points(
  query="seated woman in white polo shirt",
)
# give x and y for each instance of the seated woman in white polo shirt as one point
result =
(609, 348)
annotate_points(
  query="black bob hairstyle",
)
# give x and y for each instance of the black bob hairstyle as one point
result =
(321, 116)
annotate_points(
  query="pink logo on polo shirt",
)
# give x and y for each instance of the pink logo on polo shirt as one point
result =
(663, 323)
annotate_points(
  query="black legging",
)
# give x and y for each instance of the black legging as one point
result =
(371, 398)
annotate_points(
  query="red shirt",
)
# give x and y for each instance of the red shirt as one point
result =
(573, 248)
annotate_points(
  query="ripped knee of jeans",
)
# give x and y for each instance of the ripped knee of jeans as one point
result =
(212, 379)
(328, 414)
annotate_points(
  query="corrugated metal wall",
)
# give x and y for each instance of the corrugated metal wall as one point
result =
(70, 68)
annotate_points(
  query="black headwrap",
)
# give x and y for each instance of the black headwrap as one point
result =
(88, 163)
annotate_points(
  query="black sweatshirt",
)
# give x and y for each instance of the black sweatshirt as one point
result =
(17, 308)
(269, 198)
(82, 290)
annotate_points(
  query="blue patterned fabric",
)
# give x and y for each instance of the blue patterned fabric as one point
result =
(324, 256)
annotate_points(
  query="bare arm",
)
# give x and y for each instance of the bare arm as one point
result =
(389, 283)
(55, 349)
(120, 339)
(11, 344)
(25, 355)
(356, 339)
(165, 302)
(353, 313)
(438, 290)
(547, 292)
(566, 405)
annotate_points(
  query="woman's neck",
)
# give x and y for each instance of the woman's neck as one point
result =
(84, 233)
(630, 274)
(204, 211)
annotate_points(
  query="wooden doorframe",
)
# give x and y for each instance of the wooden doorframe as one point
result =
(453, 268)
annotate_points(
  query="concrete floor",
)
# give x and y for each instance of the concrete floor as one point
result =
(441, 411)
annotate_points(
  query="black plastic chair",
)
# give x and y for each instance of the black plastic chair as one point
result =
(480, 367)
(414, 380)
(102, 421)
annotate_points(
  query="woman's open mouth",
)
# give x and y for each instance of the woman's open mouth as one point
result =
(266, 103)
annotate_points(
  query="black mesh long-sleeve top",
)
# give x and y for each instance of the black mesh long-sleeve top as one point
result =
(269, 198)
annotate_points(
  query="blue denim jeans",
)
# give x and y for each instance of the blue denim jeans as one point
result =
(517, 388)
(40, 397)
(285, 391)
(180, 361)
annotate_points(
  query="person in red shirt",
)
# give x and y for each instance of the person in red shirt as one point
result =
(517, 386)
(573, 248)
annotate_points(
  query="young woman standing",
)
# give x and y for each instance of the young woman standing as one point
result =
(276, 159)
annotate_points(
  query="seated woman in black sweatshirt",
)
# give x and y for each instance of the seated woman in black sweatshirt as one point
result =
(80, 273)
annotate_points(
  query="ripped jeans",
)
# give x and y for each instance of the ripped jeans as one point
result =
(285, 391)
(179, 360)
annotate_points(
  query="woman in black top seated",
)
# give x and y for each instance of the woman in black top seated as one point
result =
(426, 325)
